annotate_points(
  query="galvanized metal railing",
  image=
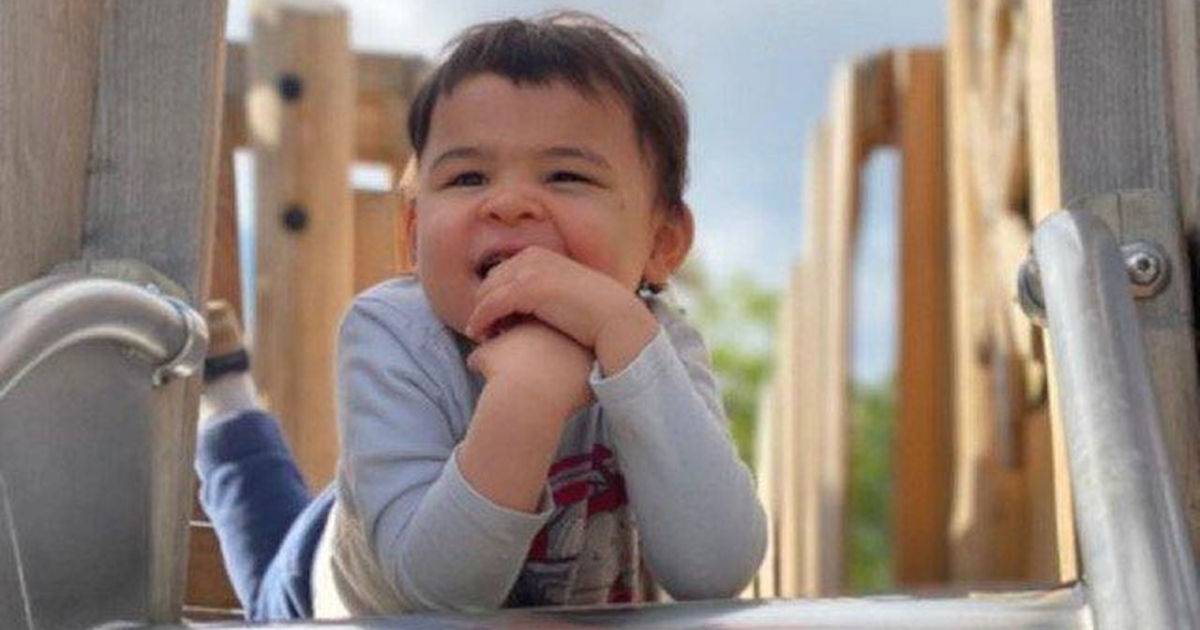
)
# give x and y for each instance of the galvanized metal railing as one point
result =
(1138, 564)
(46, 316)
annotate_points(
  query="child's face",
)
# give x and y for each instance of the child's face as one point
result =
(506, 167)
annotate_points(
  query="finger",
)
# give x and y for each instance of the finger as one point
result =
(498, 304)
(475, 360)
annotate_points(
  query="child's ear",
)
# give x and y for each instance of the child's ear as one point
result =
(408, 206)
(410, 233)
(672, 241)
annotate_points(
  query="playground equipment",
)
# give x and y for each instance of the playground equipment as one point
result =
(88, 366)
(1013, 441)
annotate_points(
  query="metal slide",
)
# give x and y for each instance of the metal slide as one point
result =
(80, 357)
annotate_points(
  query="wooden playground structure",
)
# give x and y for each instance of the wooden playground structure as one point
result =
(1031, 107)
(125, 152)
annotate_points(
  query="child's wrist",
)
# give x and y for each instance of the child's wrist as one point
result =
(536, 403)
(624, 337)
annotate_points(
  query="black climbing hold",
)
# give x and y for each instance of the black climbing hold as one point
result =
(291, 87)
(295, 218)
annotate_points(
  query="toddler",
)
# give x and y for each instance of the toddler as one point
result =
(524, 421)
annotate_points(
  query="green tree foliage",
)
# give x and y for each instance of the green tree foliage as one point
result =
(737, 318)
(869, 553)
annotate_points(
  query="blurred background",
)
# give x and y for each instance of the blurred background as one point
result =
(756, 77)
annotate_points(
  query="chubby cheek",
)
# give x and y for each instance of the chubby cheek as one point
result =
(440, 269)
(609, 255)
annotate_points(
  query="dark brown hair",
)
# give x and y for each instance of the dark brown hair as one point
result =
(588, 53)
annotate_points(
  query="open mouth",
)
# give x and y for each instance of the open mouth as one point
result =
(490, 262)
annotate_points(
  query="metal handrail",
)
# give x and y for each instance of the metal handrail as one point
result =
(1137, 559)
(45, 316)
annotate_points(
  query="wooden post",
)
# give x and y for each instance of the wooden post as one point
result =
(225, 269)
(300, 109)
(48, 72)
(922, 436)
(161, 67)
(1041, 107)
(998, 376)
(379, 237)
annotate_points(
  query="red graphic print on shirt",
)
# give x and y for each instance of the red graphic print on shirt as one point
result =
(587, 552)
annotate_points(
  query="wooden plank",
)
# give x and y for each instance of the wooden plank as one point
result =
(47, 78)
(151, 192)
(860, 118)
(767, 460)
(922, 437)
(385, 85)
(208, 585)
(300, 109)
(972, 395)
(1184, 69)
(1046, 196)
(225, 269)
(380, 240)
(800, 535)
(1119, 115)
(997, 372)
(789, 452)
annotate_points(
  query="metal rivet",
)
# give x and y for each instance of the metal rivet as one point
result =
(291, 87)
(1147, 267)
(295, 218)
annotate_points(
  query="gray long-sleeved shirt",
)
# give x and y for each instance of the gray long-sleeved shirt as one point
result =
(650, 465)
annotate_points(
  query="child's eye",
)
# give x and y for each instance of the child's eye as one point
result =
(568, 177)
(469, 178)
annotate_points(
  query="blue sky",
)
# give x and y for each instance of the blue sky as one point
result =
(756, 76)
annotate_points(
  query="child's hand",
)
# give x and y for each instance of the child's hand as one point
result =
(534, 360)
(590, 307)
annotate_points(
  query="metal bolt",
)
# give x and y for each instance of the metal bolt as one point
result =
(291, 87)
(1029, 292)
(1147, 268)
(295, 218)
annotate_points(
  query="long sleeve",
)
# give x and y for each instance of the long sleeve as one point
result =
(703, 528)
(439, 544)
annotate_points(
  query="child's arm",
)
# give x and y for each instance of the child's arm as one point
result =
(536, 379)
(439, 541)
(703, 528)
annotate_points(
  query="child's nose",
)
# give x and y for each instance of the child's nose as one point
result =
(512, 207)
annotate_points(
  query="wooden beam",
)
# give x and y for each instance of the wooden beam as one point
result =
(922, 439)
(1124, 117)
(48, 70)
(300, 114)
(385, 85)
(151, 193)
